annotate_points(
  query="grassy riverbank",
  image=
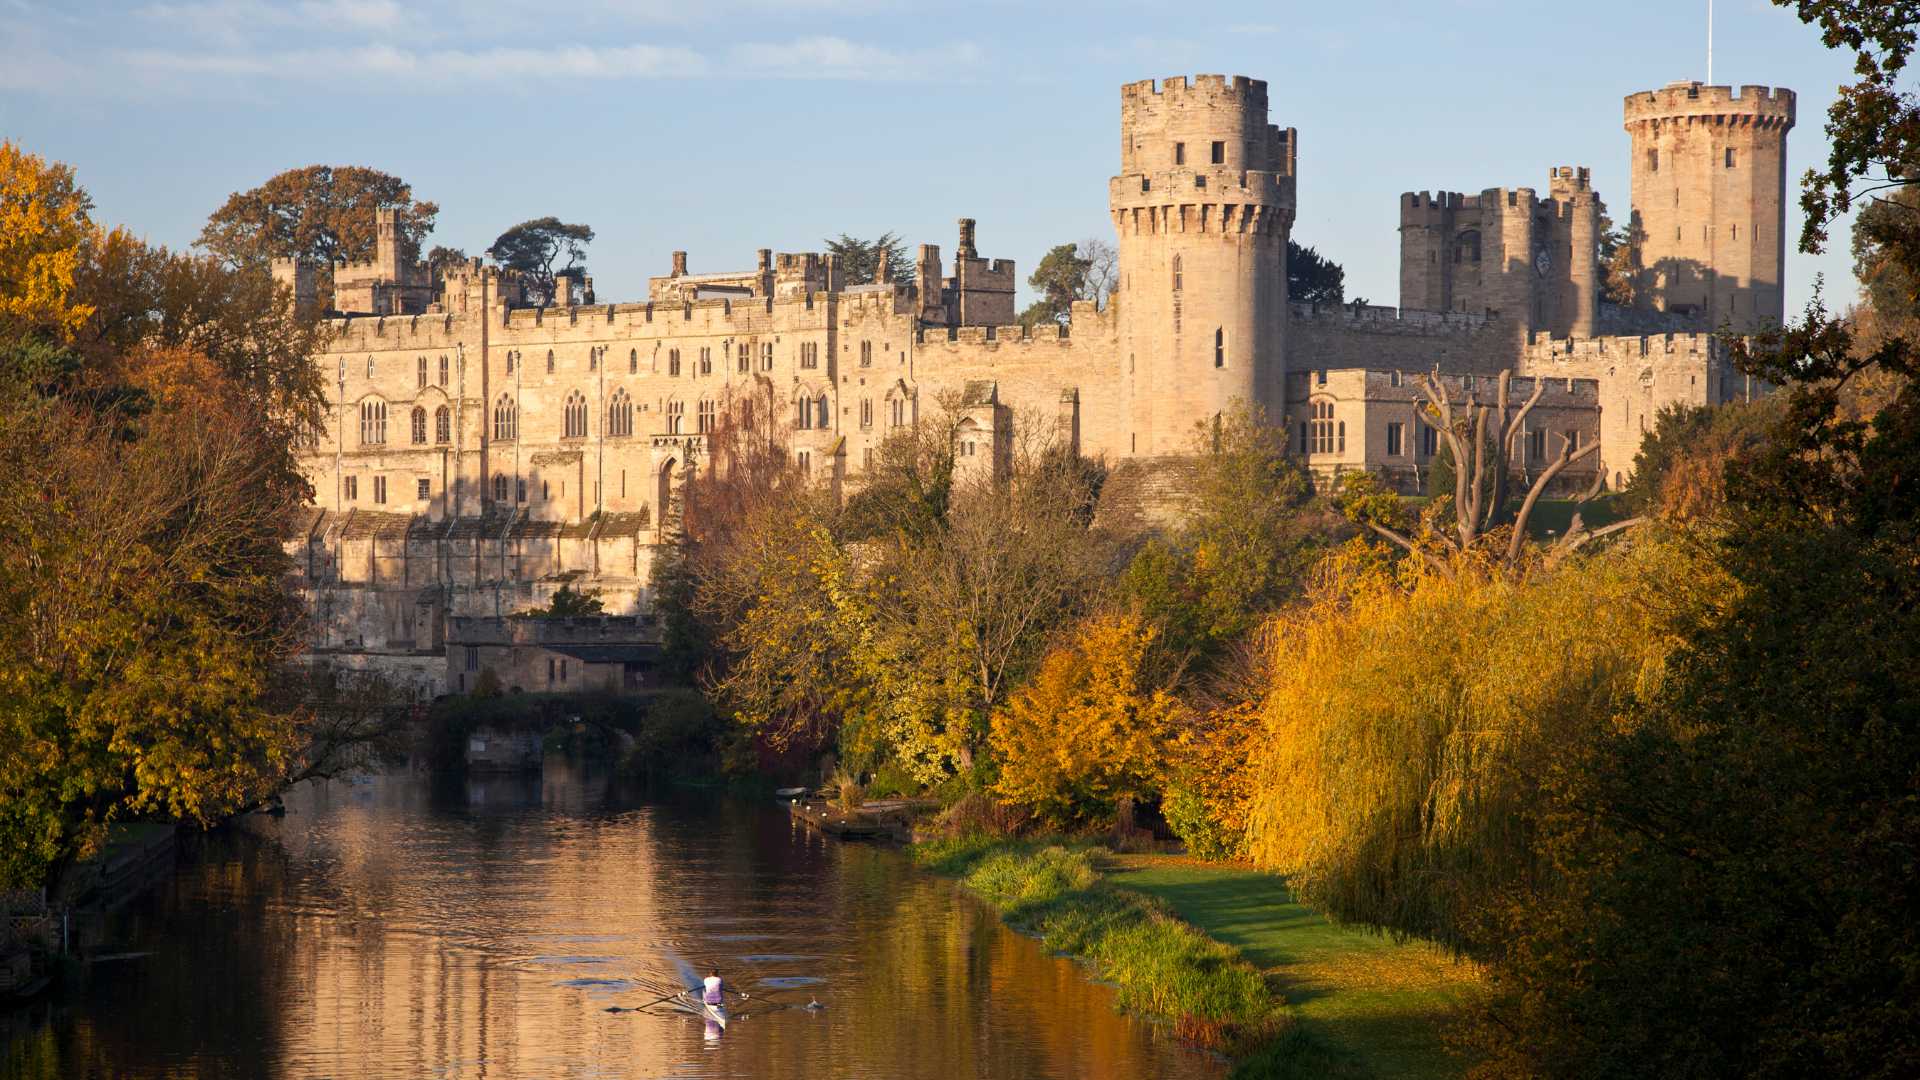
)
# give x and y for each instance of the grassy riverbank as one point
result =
(1226, 956)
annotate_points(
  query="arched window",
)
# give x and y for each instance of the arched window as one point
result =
(1466, 246)
(549, 361)
(676, 415)
(633, 361)
(510, 357)
(705, 417)
(443, 370)
(593, 359)
(419, 424)
(506, 418)
(1329, 436)
(820, 407)
(745, 411)
(499, 487)
(673, 362)
(803, 414)
(1220, 347)
(421, 373)
(866, 412)
(620, 415)
(706, 360)
(866, 354)
(1176, 273)
(898, 415)
(442, 425)
(373, 422)
(576, 416)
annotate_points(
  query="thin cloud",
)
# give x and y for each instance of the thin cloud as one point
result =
(816, 57)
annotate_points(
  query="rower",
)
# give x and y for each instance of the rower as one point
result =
(716, 991)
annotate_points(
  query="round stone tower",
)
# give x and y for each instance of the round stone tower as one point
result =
(1709, 200)
(1203, 206)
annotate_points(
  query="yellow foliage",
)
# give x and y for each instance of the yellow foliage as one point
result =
(1407, 725)
(1089, 730)
(43, 223)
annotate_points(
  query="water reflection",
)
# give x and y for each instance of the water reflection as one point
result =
(394, 928)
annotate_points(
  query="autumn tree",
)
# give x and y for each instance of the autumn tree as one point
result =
(43, 223)
(860, 260)
(1729, 868)
(320, 213)
(534, 247)
(1619, 246)
(143, 613)
(1090, 730)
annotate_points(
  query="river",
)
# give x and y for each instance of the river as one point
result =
(389, 927)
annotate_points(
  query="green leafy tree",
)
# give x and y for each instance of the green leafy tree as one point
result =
(860, 259)
(1060, 278)
(443, 260)
(1245, 544)
(568, 603)
(534, 247)
(1313, 278)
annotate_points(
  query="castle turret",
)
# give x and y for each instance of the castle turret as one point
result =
(1577, 221)
(1709, 173)
(1203, 206)
(386, 243)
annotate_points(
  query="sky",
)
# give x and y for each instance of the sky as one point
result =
(723, 126)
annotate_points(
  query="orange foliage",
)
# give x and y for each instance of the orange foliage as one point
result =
(1089, 730)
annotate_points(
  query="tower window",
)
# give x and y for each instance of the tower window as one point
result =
(1176, 273)
(1179, 153)
(1219, 348)
(1146, 183)
(1219, 153)
(1653, 160)
(1199, 181)
(1393, 439)
(1729, 157)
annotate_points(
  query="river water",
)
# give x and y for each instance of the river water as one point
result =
(389, 927)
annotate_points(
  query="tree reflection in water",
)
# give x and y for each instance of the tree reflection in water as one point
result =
(394, 928)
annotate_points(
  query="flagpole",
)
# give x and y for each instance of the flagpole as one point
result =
(1709, 42)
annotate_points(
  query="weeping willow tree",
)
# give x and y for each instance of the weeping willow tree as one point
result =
(1406, 726)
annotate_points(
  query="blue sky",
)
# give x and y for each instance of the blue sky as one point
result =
(722, 126)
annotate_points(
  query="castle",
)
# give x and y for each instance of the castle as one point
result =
(480, 451)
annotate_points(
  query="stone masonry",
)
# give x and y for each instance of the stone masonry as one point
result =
(479, 452)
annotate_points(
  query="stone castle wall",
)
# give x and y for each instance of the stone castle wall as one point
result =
(480, 453)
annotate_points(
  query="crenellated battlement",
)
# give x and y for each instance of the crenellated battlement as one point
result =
(1692, 346)
(1200, 88)
(1377, 318)
(1771, 106)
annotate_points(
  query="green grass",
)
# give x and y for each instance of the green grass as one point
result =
(1158, 965)
(1367, 1006)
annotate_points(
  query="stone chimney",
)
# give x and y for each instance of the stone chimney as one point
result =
(679, 264)
(966, 250)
